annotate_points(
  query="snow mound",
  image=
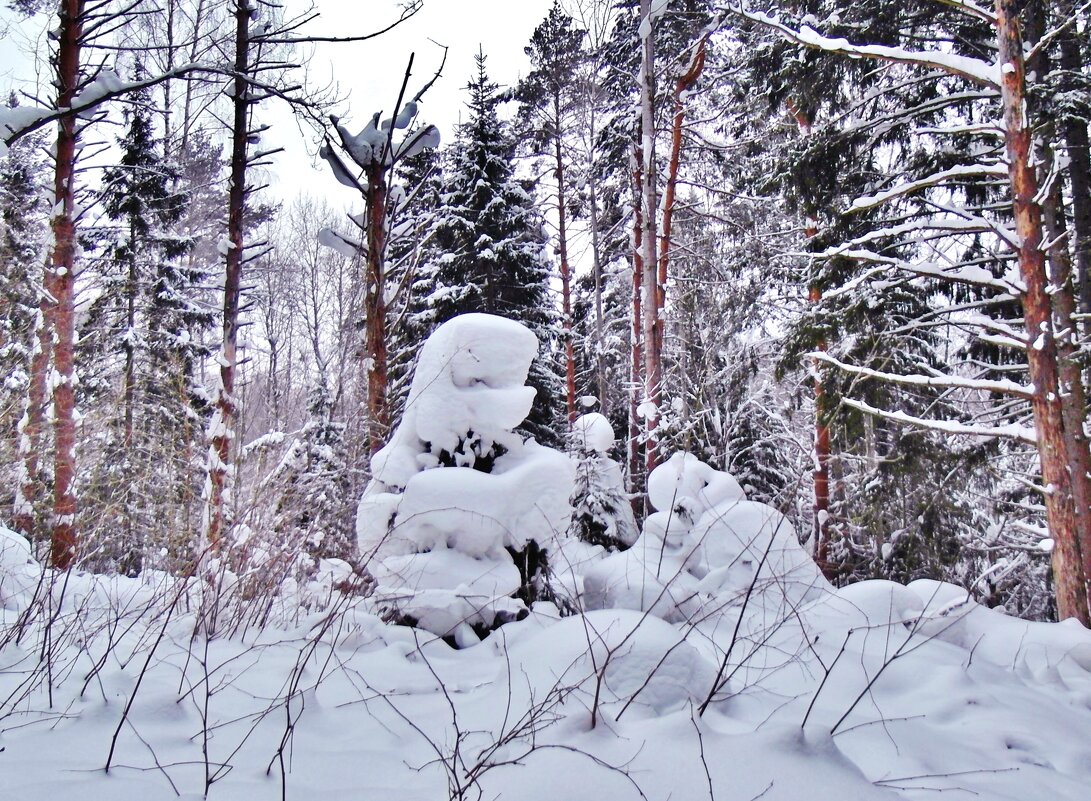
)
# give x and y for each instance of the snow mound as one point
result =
(593, 432)
(19, 572)
(524, 498)
(1040, 652)
(707, 545)
(466, 397)
(622, 658)
(685, 476)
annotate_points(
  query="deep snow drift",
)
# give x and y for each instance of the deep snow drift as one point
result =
(710, 660)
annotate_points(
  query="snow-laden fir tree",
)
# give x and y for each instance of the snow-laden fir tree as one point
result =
(490, 245)
(408, 252)
(601, 513)
(315, 510)
(139, 351)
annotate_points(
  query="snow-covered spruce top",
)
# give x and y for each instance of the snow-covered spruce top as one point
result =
(469, 378)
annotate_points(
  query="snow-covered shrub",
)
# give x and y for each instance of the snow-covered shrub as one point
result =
(705, 544)
(461, 512)
(601, 512)
(19, 573)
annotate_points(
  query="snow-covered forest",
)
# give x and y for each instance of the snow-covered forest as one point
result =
(703, 415)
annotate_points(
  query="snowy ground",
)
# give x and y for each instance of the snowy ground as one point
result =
(607, 704)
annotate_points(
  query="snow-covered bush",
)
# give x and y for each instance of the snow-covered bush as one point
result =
(19, 573)
(601, 512)
(461, 511)
(705, 544)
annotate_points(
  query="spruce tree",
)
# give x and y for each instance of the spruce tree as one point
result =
(139, 345)
(488, 234)
(315, 510)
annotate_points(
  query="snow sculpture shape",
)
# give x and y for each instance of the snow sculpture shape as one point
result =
(455, 490)
(705, 543)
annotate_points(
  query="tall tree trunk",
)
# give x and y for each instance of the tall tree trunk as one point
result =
(684, 83)
(636, 351)
(1071, 64)
(1069, 583)
(60, 288)
(130, 345)
(1063, 291)
(375, 307)
(1073, 397)
(566, 273)
(223, 420)
(596, 266)
(652, 313)
(821, 474)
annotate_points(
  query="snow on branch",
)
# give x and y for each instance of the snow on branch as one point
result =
(972, 9)
(1017, 432)
(972, 69)
(941, 381)
(995, 169)
(962, 273)
(927, 229)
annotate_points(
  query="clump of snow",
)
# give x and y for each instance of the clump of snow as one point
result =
(685, 476)
(456, 491)
(1040, 652)
(19, 572)
(593, 432)
(466, 397)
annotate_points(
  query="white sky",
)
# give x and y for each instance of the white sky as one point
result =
(370, 73)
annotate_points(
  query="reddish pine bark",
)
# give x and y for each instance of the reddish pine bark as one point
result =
(223, 431)
(1078, 148)
(821, 473)
(684, 83)
(32, 425)
(375, 308)
(60, 288)
(1069, 584)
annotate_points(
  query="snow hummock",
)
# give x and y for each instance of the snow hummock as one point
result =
(706, 546)
(593, 432)
(871, 692)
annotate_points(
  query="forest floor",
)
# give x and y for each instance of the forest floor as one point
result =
(151, 688)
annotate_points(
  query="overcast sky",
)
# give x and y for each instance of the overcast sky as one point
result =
(370, 73)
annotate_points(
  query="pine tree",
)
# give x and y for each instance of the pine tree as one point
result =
(549, 96)
(489, 236)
